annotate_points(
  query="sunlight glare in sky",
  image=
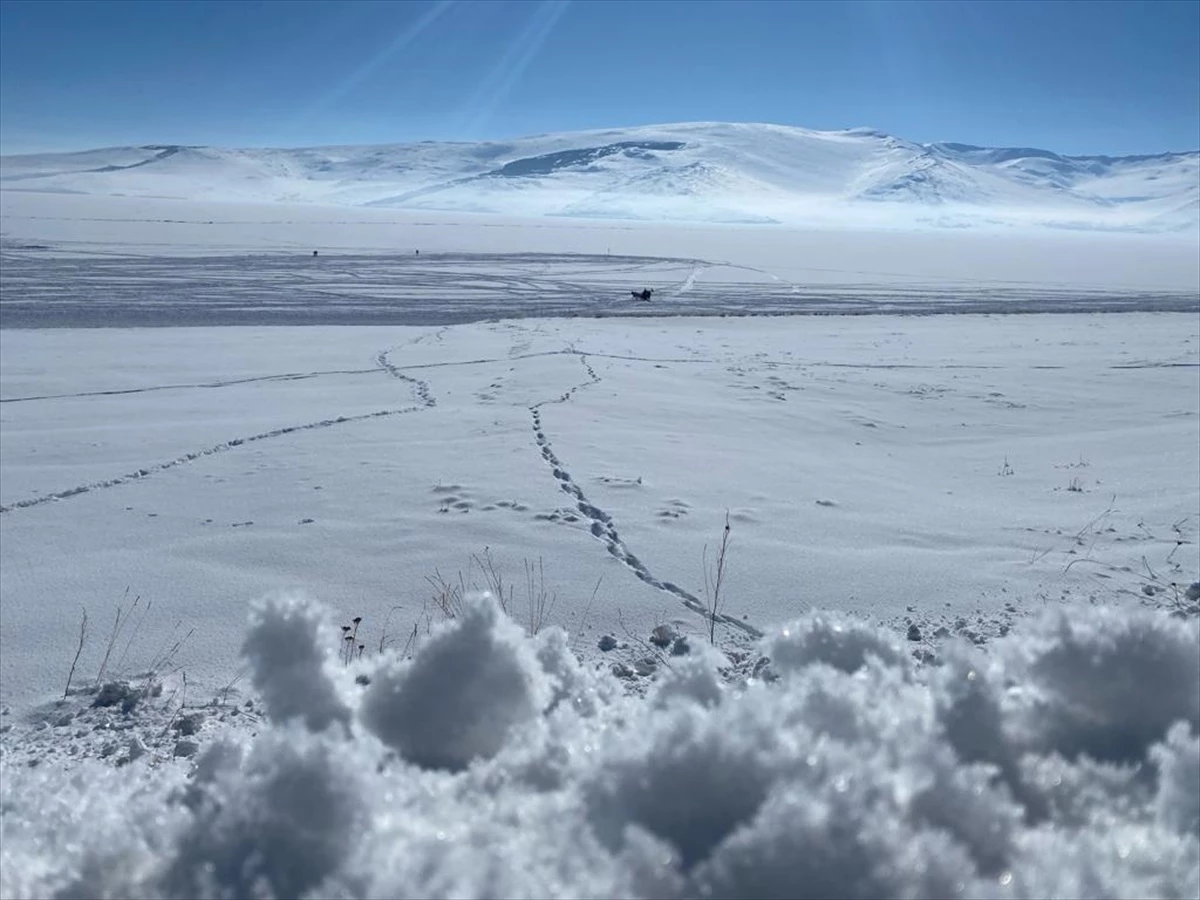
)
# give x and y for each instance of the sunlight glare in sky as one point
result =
(364, 71)
(504, 76)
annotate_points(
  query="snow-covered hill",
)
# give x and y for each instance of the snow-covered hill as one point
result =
(701, 172)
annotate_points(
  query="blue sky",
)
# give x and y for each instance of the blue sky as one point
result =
(1075, 77)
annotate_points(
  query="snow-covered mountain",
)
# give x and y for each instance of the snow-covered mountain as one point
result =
(704, 172)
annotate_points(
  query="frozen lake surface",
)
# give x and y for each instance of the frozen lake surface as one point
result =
(46, 291)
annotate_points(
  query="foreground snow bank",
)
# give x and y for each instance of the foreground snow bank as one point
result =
(1066, 762)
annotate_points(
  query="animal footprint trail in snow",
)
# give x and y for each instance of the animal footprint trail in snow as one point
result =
(602, 526)
(454, 498)
(220, 383)
(223, 447)
(593, 378)
(420, 387)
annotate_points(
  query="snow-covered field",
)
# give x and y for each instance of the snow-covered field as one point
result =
(862, 460)
(942, 502)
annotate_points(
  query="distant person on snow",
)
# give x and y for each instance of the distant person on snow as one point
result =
(314, 253)
(643, 294)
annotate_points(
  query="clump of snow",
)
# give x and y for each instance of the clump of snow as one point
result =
(1177, 804)
(694, 674)
(568, 681)
(288, 649)
(833, 640)
(1064, 761)
(1085, 685)
(475, 680)
(283, 821)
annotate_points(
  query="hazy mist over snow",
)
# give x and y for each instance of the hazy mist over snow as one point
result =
(692, 172)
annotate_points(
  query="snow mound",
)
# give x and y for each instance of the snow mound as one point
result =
(286, 648)
(1086, 686)
(476, 680)
(1064, 762)
(284, 820)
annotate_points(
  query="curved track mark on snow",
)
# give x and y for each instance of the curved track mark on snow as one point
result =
(421, 388)
(200, 454)
(541, 353)
(285, 376)
(593, 378)
(602, 526)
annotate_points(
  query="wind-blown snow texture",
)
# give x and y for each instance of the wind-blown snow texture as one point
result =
(702, 172)
(1064, 763)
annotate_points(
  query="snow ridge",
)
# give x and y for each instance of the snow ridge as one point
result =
(713, 172)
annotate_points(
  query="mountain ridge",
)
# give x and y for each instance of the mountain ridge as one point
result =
(696, 171)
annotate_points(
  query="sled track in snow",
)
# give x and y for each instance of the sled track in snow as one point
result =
(601, 524)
